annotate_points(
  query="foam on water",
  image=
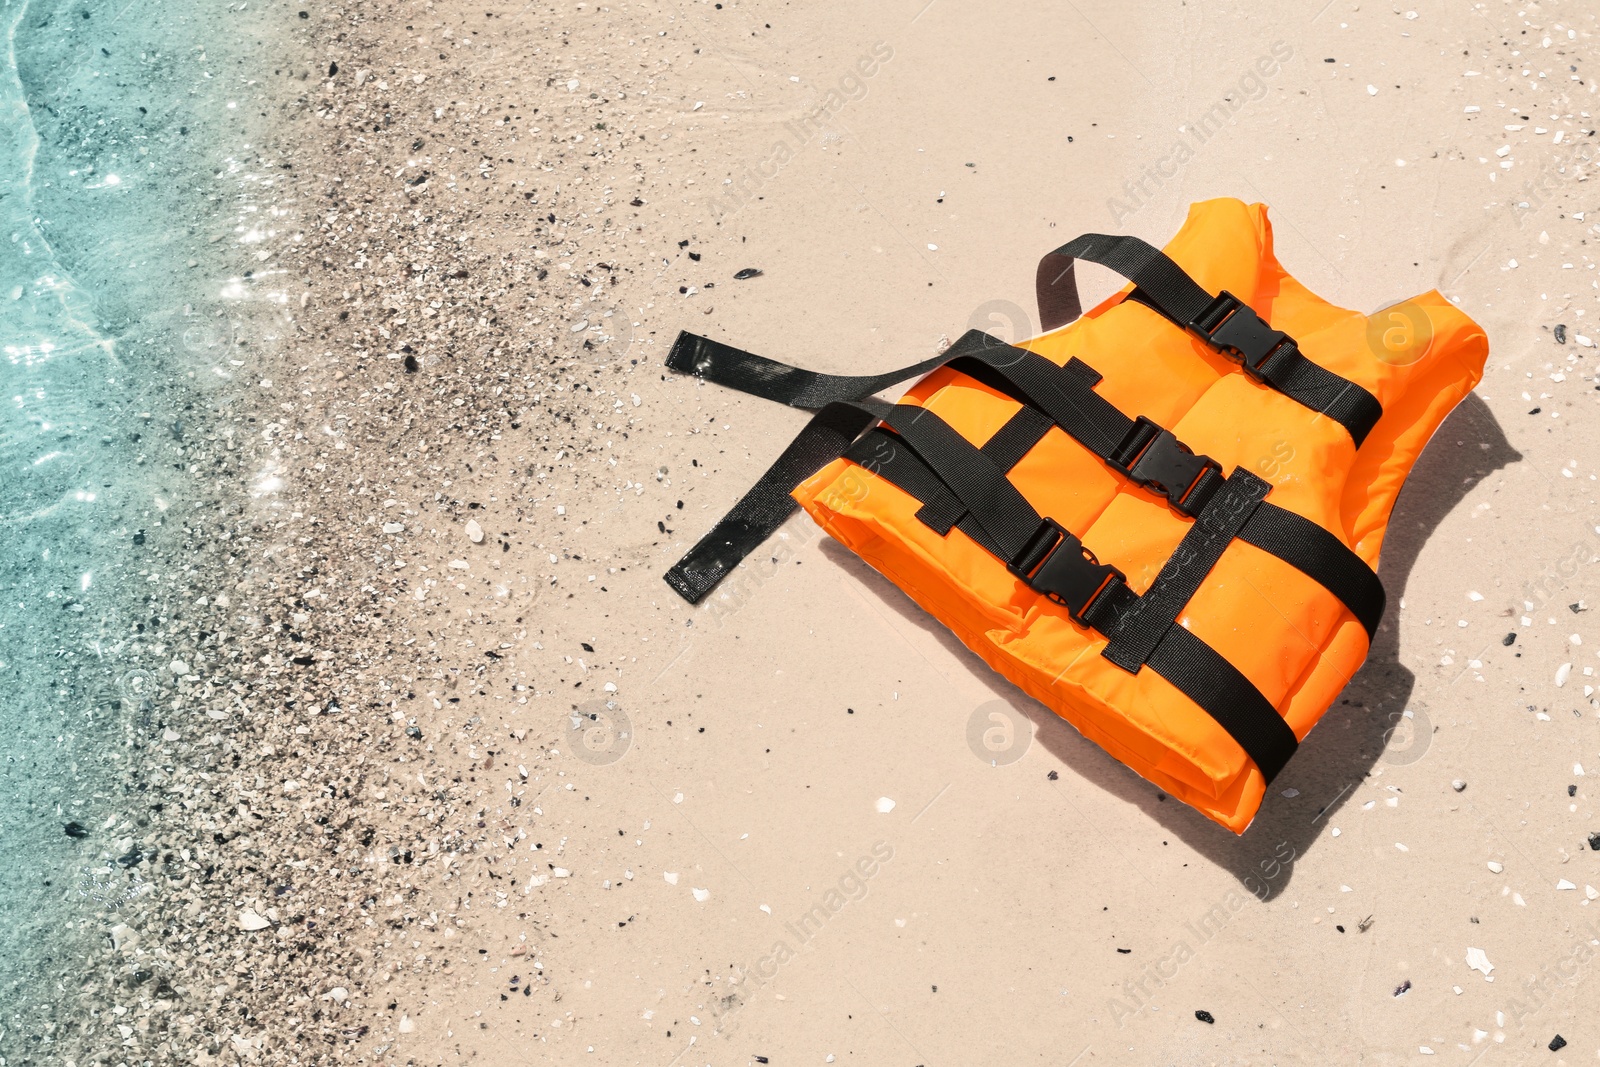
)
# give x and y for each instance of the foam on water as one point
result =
(120, 327)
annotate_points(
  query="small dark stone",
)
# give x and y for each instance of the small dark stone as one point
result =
(414, 733)
(333, 68)
(305, 14)
(747, 274)
(695, 256)
(1053, 775)
(1594, 839)
(1403, 988)
(1508, 640)
(1205, 1017)
(1572, 790)
(75, 829)
(636, 202)
(1561, 335)
(1125, 951)
(411, 364)
(131, 859)
(1535, 411)
(586, 646)
(1557, 1043)
(138, 538)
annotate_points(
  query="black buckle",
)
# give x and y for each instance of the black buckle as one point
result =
(1154, 457)
(1229, 323)
(1055, 563)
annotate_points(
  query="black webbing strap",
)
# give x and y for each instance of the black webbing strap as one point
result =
(1010, 443)
(1320, 556)
(1200, 673)
(771, 380)
(768, 503)
(971, 476)
(1137, 448)
(1226, 322)
(1142, 626)
(925, 457)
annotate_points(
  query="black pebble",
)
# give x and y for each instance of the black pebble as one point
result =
(1125, 951)
(1594, 839)
(411, 364)
(1053, 775)
(1535, 411)
(695, 256)
(414, 733)
(75, 829)
(1557, 1043)
(1572, 790)
(305, 14)
(333, 68)
(1561, 335)
(587, 647)
(1205, 1017)
(747, 273)
(1508, 640)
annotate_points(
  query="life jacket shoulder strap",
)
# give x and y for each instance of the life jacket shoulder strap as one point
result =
(1226, 323)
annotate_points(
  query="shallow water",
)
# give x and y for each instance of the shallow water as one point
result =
(125, 192)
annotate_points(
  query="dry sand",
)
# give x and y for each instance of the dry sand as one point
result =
(525, 204)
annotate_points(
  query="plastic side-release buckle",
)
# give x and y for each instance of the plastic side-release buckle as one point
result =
(1154, 457)
(1055, 563)
(1229, 323)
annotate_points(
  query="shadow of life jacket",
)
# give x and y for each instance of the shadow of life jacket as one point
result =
(1161, 519)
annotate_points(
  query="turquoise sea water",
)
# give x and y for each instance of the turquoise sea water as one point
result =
(127, 197)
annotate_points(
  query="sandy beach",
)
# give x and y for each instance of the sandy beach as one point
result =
(449, 774)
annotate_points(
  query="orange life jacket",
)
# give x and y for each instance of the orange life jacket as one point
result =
(1161, 519)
